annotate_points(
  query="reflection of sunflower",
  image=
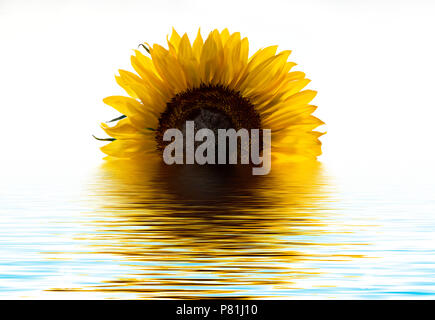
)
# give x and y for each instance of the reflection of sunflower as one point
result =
(187, 232)
(217, 85)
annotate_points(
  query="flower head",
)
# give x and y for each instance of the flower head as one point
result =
(218, 85)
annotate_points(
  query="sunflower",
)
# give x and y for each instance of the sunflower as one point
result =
(218, 85)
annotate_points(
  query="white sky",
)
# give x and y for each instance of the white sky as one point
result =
(372, 62)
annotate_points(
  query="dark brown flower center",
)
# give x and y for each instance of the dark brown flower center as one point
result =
(212, 107)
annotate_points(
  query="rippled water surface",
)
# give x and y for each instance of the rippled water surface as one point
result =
(151, 231)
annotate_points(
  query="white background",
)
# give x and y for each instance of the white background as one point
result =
(372, 63)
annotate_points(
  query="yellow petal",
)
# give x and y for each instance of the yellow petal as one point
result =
(123, 83)
(123, 129)
(188, 62)
(277, 98)
(129, 148)
(145, 68)
(208, 59)
(257, 58)
(197, 46)
(294, 102)
(225, 34)
(124, 105)
(264, 73)
(175, 38)
(291, 116)
(168, 68)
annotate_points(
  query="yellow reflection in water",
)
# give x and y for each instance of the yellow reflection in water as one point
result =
(207, 231)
